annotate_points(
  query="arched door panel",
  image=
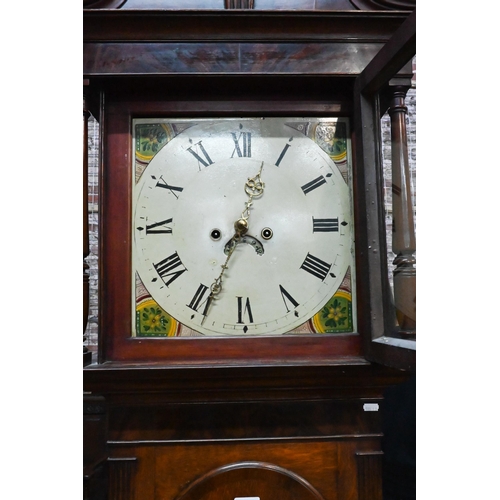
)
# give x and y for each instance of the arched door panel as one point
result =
(255, 480)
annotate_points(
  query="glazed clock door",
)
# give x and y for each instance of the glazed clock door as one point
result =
(238, 239)
(382, 343)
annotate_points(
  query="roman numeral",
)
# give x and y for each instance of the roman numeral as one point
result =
(315, 266)
(158, 227)
(163, 184)
(315, 183)
(285, 149)
(171, 266)
(325, 225)
(241, 311)
(246, 149)
(206, 160)
(286, 296)
(197, 299)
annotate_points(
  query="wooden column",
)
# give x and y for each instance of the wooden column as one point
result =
(87, 356)
(121, 478)
(369, 464)
(95, 451)
(403, 229)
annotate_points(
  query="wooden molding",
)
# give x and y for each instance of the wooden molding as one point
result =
(243, 25)
(121, 473)
(238, 4)
(369, 475)
(245, 383)
(384, 4)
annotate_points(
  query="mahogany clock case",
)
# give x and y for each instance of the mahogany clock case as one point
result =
(167, 418)
(231, 64)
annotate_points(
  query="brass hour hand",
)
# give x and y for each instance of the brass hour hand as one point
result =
(254, 188)
(216, 286)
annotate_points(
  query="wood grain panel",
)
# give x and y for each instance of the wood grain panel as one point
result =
(123, 384)
(248, 420)
(123, 26)
(338, 59)
(166, 471)
(181, 464)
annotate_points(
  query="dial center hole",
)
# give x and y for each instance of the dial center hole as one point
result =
(267, 233)
(215, 234)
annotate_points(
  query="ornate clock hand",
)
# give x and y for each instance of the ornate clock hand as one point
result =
(254, 188)
(216, 286)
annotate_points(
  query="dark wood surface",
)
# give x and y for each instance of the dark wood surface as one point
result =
(95, 451)
(281, 83)
(395, 54)
(190, 417)
(179, 58)
(145, 383)
(143, 26)
(303, 5)
(159, 43)
(369, 466)
(174, 431)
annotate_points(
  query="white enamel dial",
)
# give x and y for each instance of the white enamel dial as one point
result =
(299, 243)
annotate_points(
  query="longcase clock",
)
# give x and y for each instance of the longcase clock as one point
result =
(247, 329)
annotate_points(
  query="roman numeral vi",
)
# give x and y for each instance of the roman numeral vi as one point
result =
(246, 309)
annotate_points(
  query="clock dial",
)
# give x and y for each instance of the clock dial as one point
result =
(284, 268)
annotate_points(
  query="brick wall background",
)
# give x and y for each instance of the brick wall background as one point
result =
(92, 259)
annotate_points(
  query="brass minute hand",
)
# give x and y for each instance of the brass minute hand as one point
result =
(254, 188)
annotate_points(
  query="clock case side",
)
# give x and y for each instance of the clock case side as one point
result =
(370, 90)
